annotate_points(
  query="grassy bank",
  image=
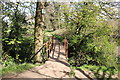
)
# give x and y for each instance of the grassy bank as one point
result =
(16, 68)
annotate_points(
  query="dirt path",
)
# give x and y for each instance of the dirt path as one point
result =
(56, 67)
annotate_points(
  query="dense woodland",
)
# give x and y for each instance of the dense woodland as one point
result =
(91, 29)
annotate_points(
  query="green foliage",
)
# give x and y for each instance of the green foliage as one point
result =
(16, 34)
(43, 55)
(60, 38)
(100, 71)
(7, 61)
(93, 48)
(46, 39)
(91, 41)
(72, 73)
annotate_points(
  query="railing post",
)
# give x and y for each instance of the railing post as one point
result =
(49, 47)
(66, 47)
(59, 47)
(51, 43)
(47, 50)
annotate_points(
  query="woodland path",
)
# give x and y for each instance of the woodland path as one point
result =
(56, 66)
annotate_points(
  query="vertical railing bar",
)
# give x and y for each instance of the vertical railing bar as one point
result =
(47, 50)
(54, 45)
(59, 47)
(66, 47)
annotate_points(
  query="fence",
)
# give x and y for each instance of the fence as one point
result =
(49, 45)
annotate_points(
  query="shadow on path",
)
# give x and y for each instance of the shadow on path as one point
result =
(57, 60)
(85, 74)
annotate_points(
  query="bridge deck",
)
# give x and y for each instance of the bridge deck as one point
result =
(58, 52)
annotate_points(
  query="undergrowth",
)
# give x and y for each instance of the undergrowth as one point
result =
(16, 68)
(100, 71)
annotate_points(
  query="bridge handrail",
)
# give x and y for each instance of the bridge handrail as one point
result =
(47, 48)
(37, 51)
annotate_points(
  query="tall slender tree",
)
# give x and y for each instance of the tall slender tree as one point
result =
(38, 30)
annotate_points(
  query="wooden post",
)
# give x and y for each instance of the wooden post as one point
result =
(59, 50)
(59, 47)
(51, 43)
(66, 47)
(47, 50)
(54, 45)
(49, 47)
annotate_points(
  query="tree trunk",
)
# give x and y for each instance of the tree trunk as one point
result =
(38, 31)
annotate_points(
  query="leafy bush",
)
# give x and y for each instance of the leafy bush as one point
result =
(100, 71)
(7, 61)
(97, 48)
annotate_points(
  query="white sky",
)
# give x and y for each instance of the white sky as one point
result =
(60, 0)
